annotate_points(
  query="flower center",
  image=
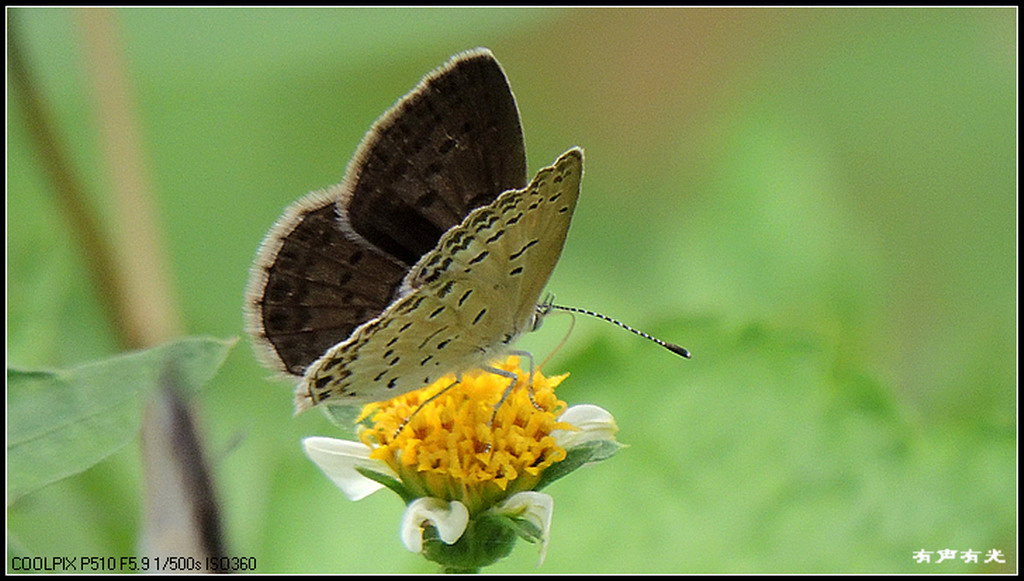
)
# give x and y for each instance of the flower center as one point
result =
(456, 446)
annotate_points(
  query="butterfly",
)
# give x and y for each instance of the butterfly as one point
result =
(428, 259)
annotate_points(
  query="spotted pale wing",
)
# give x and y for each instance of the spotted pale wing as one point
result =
(467, 299)
(336, 258)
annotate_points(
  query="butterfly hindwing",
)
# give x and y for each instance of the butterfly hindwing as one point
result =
(312, 285)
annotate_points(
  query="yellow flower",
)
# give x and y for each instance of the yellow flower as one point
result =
(452, 442)
(469, 468)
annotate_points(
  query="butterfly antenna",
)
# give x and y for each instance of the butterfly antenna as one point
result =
(670, 346)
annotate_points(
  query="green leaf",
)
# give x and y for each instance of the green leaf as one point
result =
(62, 422)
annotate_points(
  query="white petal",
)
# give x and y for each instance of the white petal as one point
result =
(450, 520)
(594, 423)
(534, 507)
(339, 459)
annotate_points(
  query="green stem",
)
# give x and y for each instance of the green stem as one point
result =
(458, 570)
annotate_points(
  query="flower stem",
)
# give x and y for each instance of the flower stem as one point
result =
(459, 570)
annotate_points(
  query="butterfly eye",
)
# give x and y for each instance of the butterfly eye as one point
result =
(537, 319)
(541, 311)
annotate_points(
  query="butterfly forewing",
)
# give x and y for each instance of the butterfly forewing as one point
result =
(466, 300)
(454, 143)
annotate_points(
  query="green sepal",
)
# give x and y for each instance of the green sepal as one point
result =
(585, 453)
(390, 482)
(526, 530)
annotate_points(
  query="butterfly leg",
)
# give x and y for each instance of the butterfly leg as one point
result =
(529, 357)
(458, 380)
(513, 379)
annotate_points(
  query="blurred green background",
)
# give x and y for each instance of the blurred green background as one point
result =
(819, 203)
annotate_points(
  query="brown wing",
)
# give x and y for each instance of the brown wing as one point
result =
(312, 285)
(453, 144)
